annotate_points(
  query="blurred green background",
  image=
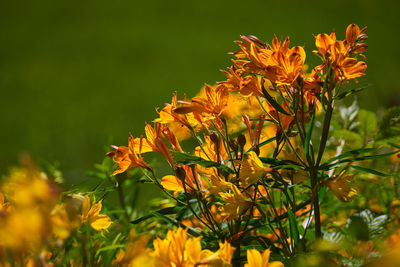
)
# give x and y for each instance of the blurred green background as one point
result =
(76, 76)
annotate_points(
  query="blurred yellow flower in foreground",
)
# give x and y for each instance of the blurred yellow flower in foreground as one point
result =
(136, 254)
(177, 249)
(256, 259)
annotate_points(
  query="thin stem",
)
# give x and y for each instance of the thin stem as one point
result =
(315, 201)
(325, 131)
(122, 197)
(263, 108)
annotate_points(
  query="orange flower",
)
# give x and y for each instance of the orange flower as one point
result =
(193, 181)
(285, 63)
(128, 157)
(256, 133)
(210, 106)
(177, 121)
(249, 85)
(354, 38)
(278, 63)
(338, 53)
(212, 151)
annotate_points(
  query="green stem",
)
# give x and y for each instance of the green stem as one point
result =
(315, 200)
(325, 131)
(122, 197)
(314, 170)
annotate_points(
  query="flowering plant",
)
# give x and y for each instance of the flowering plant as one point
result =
(256, 165)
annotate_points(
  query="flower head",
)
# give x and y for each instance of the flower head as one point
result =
(91, 214)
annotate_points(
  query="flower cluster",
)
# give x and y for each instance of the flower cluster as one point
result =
(264, 168)
(177, 249)
(253, 135)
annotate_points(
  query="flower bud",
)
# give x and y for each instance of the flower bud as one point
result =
(215, 138)
(256, 150)
(241, 139)
(180, 173)
(233, 145)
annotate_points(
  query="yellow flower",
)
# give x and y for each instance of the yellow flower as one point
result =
(136, 254)
(221, 258)
(64, 220)
(4, 207)
(27, 187)
(176, 249)
(251, 169)
(218, 184)
(235, 205)
(23, 229)
(341, 189)
(92, 215)
(256, 259)
(25, 223)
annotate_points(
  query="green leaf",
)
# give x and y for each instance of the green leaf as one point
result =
(354, 159)
(390, 123)
(273, 102)
(321, 76)
(351, 153)
(194, 232)
(164, 211)
(370, 157)
(293, 226)
(368, 170)
(321, 194)
(263, 143)
(112, 247)
(277, 162)
(368, 121)
(188, 159)
(350, 137)
(289, 167)
(263, 241)
(351, 92)
(308, 136)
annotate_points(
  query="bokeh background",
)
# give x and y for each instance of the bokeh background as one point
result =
(76, 76)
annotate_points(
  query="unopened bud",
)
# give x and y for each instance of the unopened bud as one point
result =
(361, 37)
(256, 150)
(300, 80)
(224, 173)
(233, 145)
(241, 139)
(214, 137)
(180, 173)
(327, 54)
